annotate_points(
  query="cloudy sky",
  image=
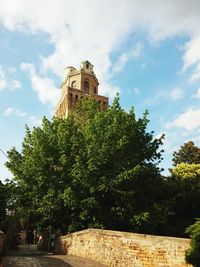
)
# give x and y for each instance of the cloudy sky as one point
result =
(147, 50)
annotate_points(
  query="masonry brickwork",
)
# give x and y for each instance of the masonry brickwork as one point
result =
(77, 84)
(123, 249)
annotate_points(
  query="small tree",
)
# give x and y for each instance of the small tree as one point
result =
(185, 181)
(188, 153)
(192, 255)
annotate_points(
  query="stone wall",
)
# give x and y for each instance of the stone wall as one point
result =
(115, 248)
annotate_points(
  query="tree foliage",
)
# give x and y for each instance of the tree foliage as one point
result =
(3, 200)
(185, 184)
(93, 169)
(193, 253)
(186, 171)
(188, 153)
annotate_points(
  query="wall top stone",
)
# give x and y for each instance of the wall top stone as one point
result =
(154, 238)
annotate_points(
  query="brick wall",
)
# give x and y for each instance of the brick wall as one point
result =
(115, 248)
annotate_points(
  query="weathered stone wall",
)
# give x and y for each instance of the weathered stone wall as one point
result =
(115, 248)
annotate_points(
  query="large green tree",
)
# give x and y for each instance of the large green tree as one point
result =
(93, 169)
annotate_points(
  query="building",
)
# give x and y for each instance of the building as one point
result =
(77, 84)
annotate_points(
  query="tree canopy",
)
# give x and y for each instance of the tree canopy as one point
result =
(185, 186)
(92, 169)
(188, 153)
(193, 253)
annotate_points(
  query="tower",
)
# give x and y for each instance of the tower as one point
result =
(77, 84)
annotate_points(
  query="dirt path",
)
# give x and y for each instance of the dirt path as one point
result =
(31, 257)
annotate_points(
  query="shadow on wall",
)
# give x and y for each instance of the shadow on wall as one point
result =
(61, 248)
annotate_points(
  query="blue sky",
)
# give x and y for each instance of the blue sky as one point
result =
(147, 50)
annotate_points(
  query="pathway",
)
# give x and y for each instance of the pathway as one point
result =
(32, 257)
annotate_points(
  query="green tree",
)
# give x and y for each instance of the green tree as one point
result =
(193, 253)
(3, 205)
(93, 169)
(185, 182)
(188, 153)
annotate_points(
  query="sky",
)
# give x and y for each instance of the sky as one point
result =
(147, 50)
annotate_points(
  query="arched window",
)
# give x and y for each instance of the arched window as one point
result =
(70, 100)
(100, 105)
(86, 86)
(76, 98)
(73, 84)
(95, 90)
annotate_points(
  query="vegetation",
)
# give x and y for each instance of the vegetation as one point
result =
(93, 169)
(101, 170)
(3, 200)
(193, 253)
(188, 153)
(184, 184)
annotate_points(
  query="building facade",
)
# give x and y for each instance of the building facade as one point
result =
(77, 84)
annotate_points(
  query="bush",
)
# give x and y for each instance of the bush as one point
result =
(192, 255)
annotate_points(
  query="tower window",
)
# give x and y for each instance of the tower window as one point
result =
(73, 84)
(76, 98)
(86, 86)
(95, 90)
(87, 66)
(100, 105)
(70, 100)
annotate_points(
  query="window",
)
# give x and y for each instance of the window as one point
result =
(100, 105)
(70, 100)
(86, 86)
(95, 90)
(76, 98)
(73, 84)
(87, 66)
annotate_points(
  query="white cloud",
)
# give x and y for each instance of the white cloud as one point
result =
(3, 82)
(192, 57)
(192, 54)
(20, 113)
(80, 33)
(9, 84)
(134, 90)
(44, 87)
(163, 95)
(198, 93)
(76, 30)
(34, 121)
(9, 111)
(188, 120)
(15, 84)
(195, 76)
(125, 57)
(176, 94)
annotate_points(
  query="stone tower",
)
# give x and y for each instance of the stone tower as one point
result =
(76, 84)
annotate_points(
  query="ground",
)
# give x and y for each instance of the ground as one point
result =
(31, 257)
